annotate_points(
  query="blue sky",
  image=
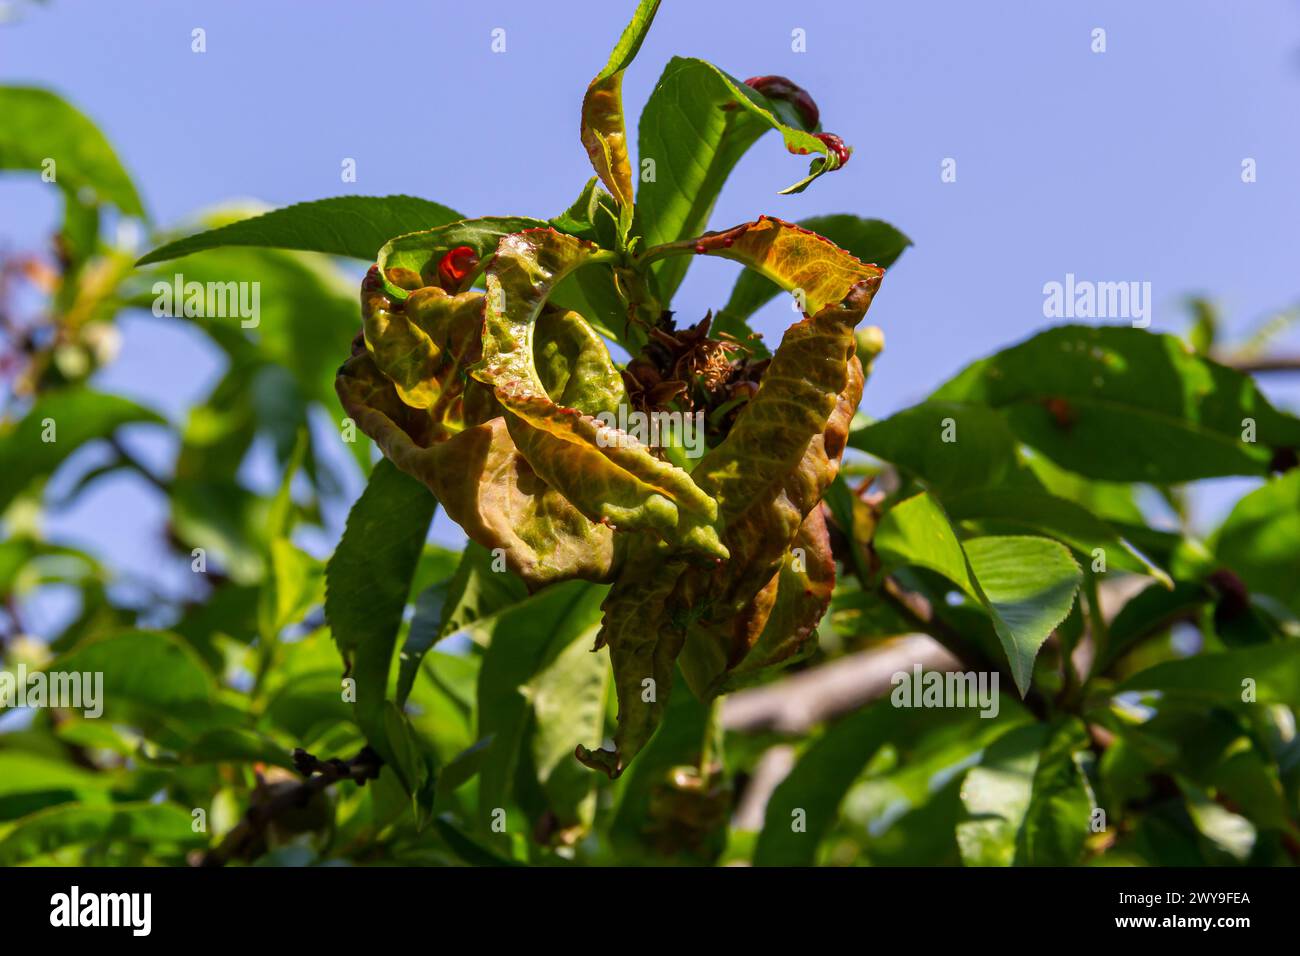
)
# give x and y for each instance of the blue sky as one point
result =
(1115, 166)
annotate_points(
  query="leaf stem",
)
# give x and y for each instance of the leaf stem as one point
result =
(1096, 622)
(710, 732)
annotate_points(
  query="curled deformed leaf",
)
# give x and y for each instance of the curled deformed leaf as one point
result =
(604, 132)
(421, 252)
(508, 419)
(768, 477)
(485, 485)
(871, 240)
(796, 259)
(788, 609)
(643, 646)
(607, 474)
(423, 346)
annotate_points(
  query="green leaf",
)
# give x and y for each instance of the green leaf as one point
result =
(150, 670)
(477, 591)
(525, 640)
(997, 794)
(1228, 833)
(28, 775)
(604, 133)
(56, 425)
(1149, 612)
(870, 240)
(1026, 584)
(952, 447)
(1058, 819)
(423, 633)
(296, 582)
(463, 767)
(153, 825)
(804, 806)
(915, 532)
(907, 812)
(1123, 404)
(1028, 801)
(1269, 672)
(1260, 540)
(368, 580)
(296, 585)
(591, 217)
(696, 125)
(224, 519)
(413, 761)
(353, 226)
(236, 745)
(1027, 509)
(593, 293)
(468, 849)
(568, 703)
(40, 125)
(304, 313)
(79, 240)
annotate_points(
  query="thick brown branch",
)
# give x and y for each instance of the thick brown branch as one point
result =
(799, 702)
(1265, 363)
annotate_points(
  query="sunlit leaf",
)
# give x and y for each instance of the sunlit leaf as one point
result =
(870, 240)
(1026, 584)
(697, 124)
(1124, 404)
(353, 226)
(1265, 674)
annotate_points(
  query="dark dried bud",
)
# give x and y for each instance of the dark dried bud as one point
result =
(1284, 459)
(1234, 598)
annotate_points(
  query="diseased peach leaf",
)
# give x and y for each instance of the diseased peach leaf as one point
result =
(767, 477)
(482, 481)
(607, 474)
(604, 131)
